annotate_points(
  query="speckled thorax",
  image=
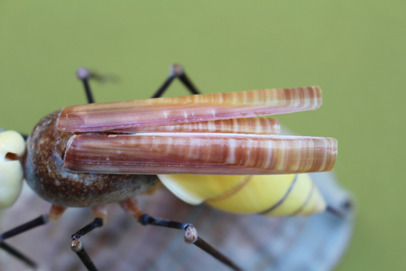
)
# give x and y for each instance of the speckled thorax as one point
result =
(44, 173)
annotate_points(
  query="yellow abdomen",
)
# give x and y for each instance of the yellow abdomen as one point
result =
(274, 195)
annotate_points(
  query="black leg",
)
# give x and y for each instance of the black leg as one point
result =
(189, 85)
(191, 237)
(18, 255)
(164, 86)
(54, 213)
(335, 211)
(176, 71)
(42, 220)
(84, 75)
(78, 247)
(215, 253)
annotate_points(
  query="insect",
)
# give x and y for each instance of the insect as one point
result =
(97, 154)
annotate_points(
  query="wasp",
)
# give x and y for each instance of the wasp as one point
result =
(213, 148)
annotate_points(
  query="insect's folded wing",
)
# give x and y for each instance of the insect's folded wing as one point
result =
(199, 153)
(195, 108)
(258, 125)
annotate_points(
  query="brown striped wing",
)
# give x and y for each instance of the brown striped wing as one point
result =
(199, 153)
(259, 125)
(187, 109)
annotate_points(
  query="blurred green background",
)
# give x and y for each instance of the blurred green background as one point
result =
(354, 50)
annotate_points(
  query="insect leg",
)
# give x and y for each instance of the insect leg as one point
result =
(176, 71)
(39, 221)
(18, 255)
(187, 82)
(191, 236)
(335, 211)
(78, 247)
(84, 75)
(54, 214)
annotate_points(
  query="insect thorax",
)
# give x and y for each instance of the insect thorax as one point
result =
(44, 173)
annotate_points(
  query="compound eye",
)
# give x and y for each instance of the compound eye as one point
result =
(12, 148)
